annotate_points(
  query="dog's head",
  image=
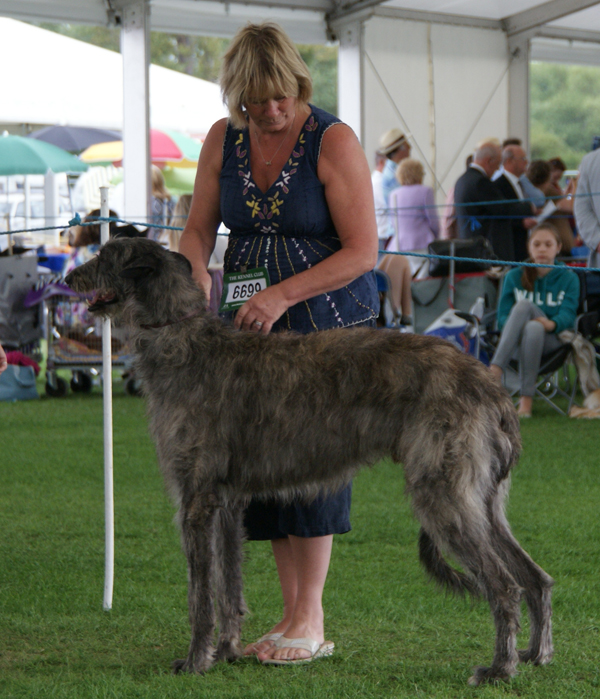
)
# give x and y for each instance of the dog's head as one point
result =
(126, 268)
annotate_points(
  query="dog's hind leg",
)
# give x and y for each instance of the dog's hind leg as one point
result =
(504, 596)
(536, 583)
(197, 519)
(228, 578)
(460, 527)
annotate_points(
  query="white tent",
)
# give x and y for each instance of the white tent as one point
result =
(52, 79)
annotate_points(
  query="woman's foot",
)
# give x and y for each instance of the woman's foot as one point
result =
(264, 643)
(305, 629)
(525, 406)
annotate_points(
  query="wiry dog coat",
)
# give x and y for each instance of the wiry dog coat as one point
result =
(238, 414)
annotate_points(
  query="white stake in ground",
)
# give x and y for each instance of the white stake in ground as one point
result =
(109, 509)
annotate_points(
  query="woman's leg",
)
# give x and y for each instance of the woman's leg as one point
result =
(286, 570)
(397, 267)
(302, 564)
(512, 333)
(534, 343)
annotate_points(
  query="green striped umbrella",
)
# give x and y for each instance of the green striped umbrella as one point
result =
(28, 156)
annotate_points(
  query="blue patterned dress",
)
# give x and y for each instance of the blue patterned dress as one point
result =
(288, 229)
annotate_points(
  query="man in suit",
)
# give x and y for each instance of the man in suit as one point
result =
(514, 165)
(474, 198)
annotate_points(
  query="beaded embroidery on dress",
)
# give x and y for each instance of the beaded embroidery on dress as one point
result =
(288, 228)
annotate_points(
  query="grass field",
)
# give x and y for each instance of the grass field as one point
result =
(396, 635)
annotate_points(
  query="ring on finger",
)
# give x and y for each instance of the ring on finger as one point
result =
(258, 324)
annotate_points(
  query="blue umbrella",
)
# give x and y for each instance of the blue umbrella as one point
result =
(74, 138)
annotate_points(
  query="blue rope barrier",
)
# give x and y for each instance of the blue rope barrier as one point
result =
(76, 221)
(492, 263)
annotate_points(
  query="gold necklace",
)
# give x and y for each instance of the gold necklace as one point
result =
(287, 133)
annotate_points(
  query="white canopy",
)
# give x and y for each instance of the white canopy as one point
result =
(52, 79)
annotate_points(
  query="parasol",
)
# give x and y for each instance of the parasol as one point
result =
(28, 156)
(74, 138)
(166, 148)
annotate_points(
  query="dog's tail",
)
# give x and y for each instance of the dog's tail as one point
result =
(440, 571)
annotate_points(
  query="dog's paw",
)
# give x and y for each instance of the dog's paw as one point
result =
(536, 657)
(229, 651)
(488, 675)
(195, 666)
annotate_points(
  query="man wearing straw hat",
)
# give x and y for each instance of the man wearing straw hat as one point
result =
(395, 146)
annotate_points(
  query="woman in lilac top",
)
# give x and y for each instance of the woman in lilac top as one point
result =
(413, 212)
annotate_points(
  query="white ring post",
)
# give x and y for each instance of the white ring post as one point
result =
(109, 512)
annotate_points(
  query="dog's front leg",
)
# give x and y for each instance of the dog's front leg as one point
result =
(197, 517)
(228, 569)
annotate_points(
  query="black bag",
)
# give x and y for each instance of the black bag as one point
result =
(478, 247)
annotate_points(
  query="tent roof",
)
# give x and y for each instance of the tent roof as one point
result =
(65, 81)
(307, 20)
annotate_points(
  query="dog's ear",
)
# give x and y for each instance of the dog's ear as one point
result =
(140, 268)
(182, 261)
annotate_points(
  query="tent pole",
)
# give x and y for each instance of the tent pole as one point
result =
(109, 513)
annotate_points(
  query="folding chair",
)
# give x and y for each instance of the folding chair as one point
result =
(554, 378)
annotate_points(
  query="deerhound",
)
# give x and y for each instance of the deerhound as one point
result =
(237, 414)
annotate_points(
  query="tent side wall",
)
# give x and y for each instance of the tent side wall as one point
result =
(469, 71)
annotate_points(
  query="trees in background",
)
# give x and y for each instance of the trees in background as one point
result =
(200, 56)
(565, 111)
(565, 100)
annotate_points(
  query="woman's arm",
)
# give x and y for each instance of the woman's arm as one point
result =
(344, 172)
(566, 313)
(198, 238)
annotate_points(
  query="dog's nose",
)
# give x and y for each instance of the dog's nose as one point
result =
(69, 278)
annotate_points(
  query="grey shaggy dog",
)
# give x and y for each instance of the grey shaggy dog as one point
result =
(237, 414)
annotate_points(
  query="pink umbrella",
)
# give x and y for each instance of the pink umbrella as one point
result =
(165, 147)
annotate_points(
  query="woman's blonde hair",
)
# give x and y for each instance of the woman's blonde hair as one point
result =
(262, 63)
(159, 189)
(410, 171)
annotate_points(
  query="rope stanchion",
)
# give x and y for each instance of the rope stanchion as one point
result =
(109, 507)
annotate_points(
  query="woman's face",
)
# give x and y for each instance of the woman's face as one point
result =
(272, 115)
(543, 247)
(556, 175)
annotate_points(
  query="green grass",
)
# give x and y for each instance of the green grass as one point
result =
(396, 635)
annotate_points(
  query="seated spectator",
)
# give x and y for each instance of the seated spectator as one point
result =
(85, 239)
(557, 170)
(398, 269)
(413, 213)
(536, 305)
(178, 218)
(162, 207)
(540, 175)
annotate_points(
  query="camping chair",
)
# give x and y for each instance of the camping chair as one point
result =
(554, 377)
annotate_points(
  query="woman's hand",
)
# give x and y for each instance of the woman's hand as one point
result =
(260, 312)
(3, 362)
(549, 325)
